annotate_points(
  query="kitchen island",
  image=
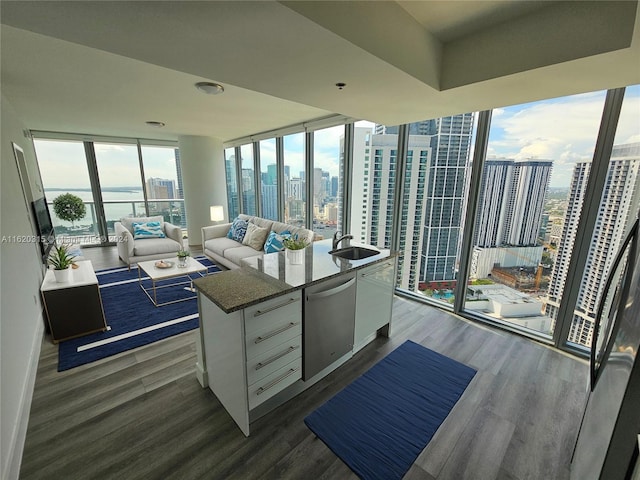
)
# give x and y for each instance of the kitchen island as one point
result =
(271, 329)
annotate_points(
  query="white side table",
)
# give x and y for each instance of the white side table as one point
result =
(73, 308)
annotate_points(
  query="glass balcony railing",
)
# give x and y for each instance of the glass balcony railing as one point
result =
(86, 231)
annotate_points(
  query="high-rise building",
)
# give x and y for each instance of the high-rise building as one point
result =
(618, 208)
(445, 191)
(511, 202)
(434, 190)
(270, 201)
(183, 210)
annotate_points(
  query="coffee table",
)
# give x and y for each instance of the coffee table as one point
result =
(157, 274)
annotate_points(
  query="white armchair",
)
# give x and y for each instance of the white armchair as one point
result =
(133, 250)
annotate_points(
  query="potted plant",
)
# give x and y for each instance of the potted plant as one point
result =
(182, 257)
(61, 261)
(69, 207)
(295, 249)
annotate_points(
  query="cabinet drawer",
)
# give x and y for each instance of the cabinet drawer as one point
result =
(275, 383)
(265, 315)
(268, 362)
(261, 341)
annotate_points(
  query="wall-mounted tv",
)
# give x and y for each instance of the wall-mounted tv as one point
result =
(46, 234)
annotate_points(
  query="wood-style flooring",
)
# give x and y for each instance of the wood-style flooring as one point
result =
(143, 415)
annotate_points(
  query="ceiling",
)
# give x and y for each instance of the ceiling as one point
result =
(104, 68)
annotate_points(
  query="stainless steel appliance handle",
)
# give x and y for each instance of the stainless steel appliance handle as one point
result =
(275, 307)
(276, 332)
(596, 327)
(273, 383)
(266, 362)
(331, 291)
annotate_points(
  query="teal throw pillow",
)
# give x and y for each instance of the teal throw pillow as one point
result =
(274, 241)
(147, 230)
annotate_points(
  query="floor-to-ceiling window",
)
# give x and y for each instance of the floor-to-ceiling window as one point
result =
(294, 179)
(63, 168)
(231, 170)
(327, 158)
(530, 195)
(121, 186)
(108, 178)
(617, 209)
(248, 180)
(163, 183)
(268, 179)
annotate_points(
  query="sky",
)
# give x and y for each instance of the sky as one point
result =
(563, 130)
(117, 164)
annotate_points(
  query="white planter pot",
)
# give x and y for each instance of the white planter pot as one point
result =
(296, 257)
(62, 276)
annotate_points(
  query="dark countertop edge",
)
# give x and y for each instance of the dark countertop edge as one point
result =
(260, 276)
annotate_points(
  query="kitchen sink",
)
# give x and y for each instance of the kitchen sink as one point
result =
(354, 253)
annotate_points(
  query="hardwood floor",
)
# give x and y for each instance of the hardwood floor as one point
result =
(143, 415)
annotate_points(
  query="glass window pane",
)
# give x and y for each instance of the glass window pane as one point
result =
(248, 180)
(373, 183)
(232, 183)
(63, 167)
(294, 178)
(268, 179)
(328, 160)
(618, 209)
(120, 181)
(530, 199)
(164, 181)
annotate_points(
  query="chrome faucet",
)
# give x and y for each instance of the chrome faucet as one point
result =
(337, 240)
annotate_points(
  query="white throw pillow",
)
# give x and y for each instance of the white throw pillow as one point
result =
(255, 236)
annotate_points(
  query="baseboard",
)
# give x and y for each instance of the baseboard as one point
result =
(12, 468)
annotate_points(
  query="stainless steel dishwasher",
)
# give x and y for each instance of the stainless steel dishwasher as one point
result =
(329, 316)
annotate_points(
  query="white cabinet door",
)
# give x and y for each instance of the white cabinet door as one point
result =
(374, 300)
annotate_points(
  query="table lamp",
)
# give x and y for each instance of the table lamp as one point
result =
(217, 213)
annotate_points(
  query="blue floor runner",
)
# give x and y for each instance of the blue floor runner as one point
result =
(133, 319)
(380, 423)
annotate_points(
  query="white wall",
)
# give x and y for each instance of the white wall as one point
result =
(204, 181)
(21, 322)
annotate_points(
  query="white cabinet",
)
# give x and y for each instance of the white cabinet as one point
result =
(374, 301)
(250, 355)
(273, 341)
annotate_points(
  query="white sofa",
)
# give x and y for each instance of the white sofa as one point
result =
(230, 253)
(132, 250)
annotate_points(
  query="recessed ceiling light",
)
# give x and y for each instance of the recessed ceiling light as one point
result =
(210, 88)
(155, 124)
(341, 85)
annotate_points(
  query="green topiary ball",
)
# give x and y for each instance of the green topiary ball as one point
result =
(69, 207)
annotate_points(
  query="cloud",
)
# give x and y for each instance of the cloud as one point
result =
(561, 130)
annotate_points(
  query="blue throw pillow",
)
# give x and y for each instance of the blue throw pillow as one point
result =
(274, 241)
(238, 230)
(147, 230)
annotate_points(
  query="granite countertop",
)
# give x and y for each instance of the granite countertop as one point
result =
(260, 279)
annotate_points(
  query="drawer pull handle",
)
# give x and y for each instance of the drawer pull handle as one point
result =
(276, 357)
(272, 383)
(276, 332)
(275, 307)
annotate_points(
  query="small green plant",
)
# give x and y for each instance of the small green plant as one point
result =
(61, 259)
(69, 207)
(183, 253)
(295, 243)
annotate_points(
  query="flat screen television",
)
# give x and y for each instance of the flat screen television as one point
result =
(46, 234)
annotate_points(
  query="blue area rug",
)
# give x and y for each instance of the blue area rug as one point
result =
(379, 424)
(133, 319)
